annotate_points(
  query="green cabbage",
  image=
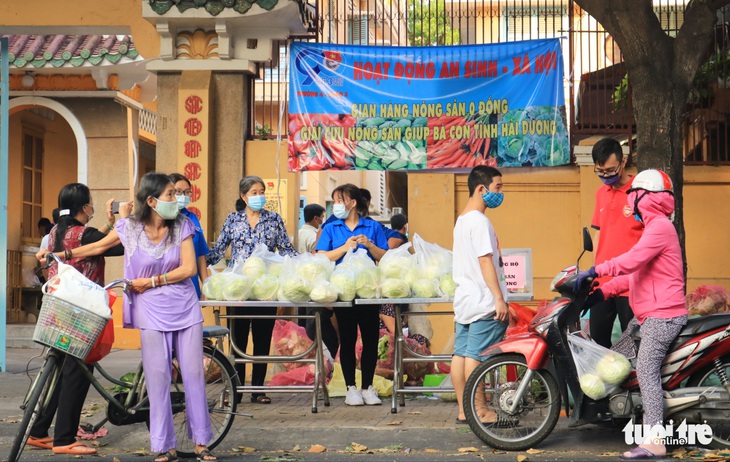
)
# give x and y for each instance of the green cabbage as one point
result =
(425, 288)
(265, 287)
(592, 386)
(344, 282)
(311, 271)
(395, 288)
(396, 267)
(237, 287)
(323, 292)
(295, 289)
(430, 272)
(254, 267)
(613, 368)
(367, 281)
(213, 286)
(383, 347)
(448, 286)
(275, 268)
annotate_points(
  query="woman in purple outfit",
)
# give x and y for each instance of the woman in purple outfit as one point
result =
(159, 259)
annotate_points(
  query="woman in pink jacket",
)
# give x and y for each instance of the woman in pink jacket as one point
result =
(653, 273)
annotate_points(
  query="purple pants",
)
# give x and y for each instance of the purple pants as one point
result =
(157, 353)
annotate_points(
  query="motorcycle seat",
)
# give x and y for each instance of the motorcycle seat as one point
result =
(703, 324)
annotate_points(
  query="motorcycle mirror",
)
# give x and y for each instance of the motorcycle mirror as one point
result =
(587, 245)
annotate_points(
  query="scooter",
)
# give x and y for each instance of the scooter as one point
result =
(527, 376)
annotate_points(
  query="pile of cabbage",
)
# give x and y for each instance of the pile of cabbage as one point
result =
(421, 270)
(600, 370)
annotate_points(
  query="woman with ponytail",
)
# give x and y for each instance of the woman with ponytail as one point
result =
(76, 208)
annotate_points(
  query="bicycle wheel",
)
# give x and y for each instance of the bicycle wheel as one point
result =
(220, 389)
(41, 389)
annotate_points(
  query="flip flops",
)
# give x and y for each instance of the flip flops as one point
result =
(76, 448)
(206, 453)
(639, 453)
(166, 457)
(42, 443)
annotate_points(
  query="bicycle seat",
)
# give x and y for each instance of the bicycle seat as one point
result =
(214, 331)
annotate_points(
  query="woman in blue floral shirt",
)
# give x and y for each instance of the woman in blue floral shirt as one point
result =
(243, 230)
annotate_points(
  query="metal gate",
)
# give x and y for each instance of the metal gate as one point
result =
(4, 116)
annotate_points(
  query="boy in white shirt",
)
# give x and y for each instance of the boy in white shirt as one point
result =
(480, 308)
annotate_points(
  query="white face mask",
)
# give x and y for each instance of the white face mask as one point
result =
(340, 211)
(182, 201)
(167, 210)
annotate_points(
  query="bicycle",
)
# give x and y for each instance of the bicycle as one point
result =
(131, 405)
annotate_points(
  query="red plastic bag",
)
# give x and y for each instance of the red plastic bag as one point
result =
(103, 345)
(519, 319)
(302, 375)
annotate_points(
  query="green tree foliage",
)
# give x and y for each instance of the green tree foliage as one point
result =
(429, 24)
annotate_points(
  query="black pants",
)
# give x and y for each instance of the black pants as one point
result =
(262, 329)
(603, 315)
(329, 334)
(67, 402)
(348, 320)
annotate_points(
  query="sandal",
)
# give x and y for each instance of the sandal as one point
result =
(77, 448)
(166, 457)
(260, 399)
(639, 453)
(42, 443)
(206, 456)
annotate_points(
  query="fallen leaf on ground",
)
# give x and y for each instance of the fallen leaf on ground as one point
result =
(431, 450)
(244, 449)
(317, 448)
(469, 449)
(610, 454)
(359, 447)
(115, 460)
(296, 448)
(522, 458)
(534, 451)
(414, 413)
(397, 422)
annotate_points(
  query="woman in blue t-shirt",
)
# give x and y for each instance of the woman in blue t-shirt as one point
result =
(352, 230)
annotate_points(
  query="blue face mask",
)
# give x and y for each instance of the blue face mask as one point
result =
(256, 203)
(492, 199)
(340, 211)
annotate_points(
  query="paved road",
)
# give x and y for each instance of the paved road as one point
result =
(285, 430)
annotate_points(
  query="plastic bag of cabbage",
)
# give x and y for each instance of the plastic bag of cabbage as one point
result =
(600, 370)
(293, 287)
(432, 260)
(398, 263)
(357, 275)
(227, 285)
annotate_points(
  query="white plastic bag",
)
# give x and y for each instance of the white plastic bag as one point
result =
(600, 370)
(72, 286)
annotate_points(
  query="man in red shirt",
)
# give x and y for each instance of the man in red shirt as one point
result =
(617, 231)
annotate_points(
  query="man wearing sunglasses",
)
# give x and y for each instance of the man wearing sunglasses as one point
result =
(616, 232)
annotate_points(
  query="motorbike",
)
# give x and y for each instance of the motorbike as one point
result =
(527, 377)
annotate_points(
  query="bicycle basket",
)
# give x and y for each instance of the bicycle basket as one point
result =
(67, 327)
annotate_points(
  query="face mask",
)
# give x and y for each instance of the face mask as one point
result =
(340, 211)
(167, 210)
(610, 180)
(182, 201)
(256, 203)
(92, 213)
(492, 199)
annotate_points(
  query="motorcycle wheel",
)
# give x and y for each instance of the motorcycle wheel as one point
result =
(706, 378)
(491, 387)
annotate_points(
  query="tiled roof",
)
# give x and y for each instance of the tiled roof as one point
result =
(36, 51)
(213, 7)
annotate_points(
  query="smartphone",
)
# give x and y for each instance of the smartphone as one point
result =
(115, 207)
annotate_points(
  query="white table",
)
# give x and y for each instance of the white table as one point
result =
(244, 358)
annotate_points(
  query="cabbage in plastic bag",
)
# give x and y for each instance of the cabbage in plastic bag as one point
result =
(395, 288)
(592, 386)
(367, 281)
(294, 289)
(254, 267)
(265, 287)
(236, 287)
(397, 263)
(323, 292)
(447, 285)
(213, 286)
(613, 368)
(426, 288)
(343, 280)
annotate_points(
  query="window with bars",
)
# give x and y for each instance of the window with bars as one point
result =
(32, 183)
(358, 30)
(279, 72)
(527, 23)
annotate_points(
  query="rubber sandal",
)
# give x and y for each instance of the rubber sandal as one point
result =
(261, 399)
(42, 443)
(76, 448)
(639, 453)
(206, 453)
(460, 421)
(166, 457)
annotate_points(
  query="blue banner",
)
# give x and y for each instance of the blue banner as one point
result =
(426, 108)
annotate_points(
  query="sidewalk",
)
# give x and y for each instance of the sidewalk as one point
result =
(424, 428)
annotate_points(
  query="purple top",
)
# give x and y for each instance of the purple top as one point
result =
(166, 308)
